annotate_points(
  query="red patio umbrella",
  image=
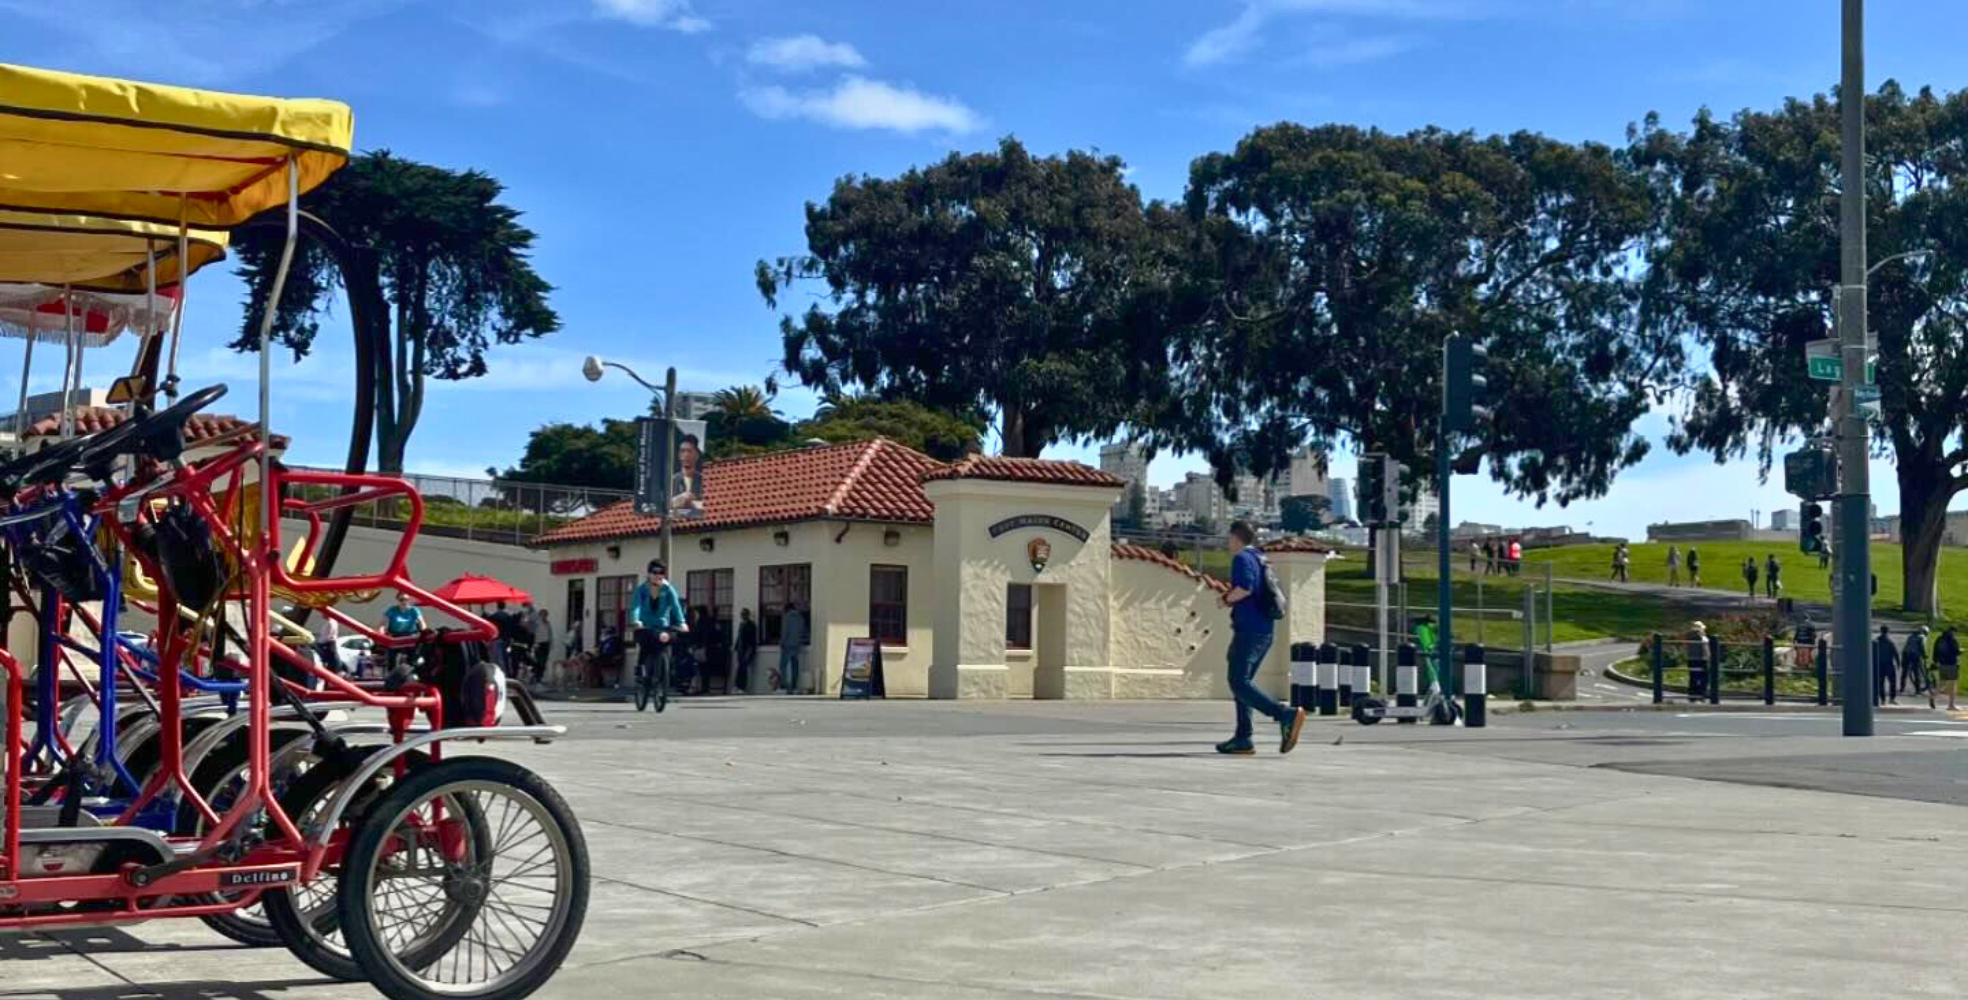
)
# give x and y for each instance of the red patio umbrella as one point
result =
(475, 589)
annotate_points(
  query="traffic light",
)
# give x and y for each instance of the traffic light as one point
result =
(1810, 527)
(1465, 383)
(1372, 489)
(1379, 490)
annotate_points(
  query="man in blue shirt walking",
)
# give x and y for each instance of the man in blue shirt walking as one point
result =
(1250, 639)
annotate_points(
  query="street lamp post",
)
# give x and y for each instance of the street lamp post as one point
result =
(1854, 613)
(591, 367)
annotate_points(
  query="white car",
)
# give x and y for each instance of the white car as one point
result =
(357, 655)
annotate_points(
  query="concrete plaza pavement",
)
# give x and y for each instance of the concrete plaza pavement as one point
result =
(796, 848)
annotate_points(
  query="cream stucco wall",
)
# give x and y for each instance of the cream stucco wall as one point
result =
(840, 554)
(1171, 633)
(973, 571)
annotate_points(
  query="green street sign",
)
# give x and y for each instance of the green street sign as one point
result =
(1823, 363)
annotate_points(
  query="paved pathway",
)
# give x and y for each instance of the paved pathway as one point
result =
(785, 848)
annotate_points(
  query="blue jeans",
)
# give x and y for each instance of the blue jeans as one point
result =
(1247, 651)
(789, 667)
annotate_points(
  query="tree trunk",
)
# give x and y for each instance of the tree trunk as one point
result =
(1925, 490)
(1012, 443)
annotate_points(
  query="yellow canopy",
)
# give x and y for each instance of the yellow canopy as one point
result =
(97, 254)
(96, 146)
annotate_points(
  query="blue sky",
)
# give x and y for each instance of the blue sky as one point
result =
(660, 147)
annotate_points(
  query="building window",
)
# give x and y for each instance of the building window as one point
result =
(1018, 616)
(888, 604)
(778, 586)
(612, 604)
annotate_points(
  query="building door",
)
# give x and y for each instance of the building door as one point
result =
(1049, 638)
(612, 605)
(575, 619)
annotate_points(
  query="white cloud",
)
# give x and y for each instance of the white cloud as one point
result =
(857, 102)
(801, 53)
(1227, 42)
(676, 15)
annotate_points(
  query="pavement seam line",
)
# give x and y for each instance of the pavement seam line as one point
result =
(962, 984)
(798, 857)
(907, 800)
(87, 957)
(705, 901)
(898, 830)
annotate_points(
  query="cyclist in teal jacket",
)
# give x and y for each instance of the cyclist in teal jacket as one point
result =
(656, 615)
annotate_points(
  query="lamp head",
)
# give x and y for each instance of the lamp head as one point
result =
(591, 367)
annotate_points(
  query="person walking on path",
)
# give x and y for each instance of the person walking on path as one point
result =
(792, 641)
(1674, 566)
(1773, 577)
(1749, 574)
(542, 644)
(1697, 662)
(748, 647)
(1947, 664)
(1622, 559)
(1885, 669)
(1516, 556)
(1913, 664)
(1694, 567)
(1824, 555)
(1489, 558)
(1250, 604)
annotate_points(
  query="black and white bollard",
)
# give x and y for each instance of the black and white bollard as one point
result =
(1345, 677)
(1328, 679)
(1407, 677)
(1304, 670)
(1362, 671)
(1475, 687)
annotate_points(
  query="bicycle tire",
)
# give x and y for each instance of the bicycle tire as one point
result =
(662, 696)
(642, 689)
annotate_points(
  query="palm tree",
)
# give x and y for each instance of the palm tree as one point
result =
(743, 402)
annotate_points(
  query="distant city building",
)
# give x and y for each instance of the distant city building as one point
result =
(695, 405)
(1471, 529)
(1340, 493)
(1129, 463)
(1305, 477)
(1425, 505)
(1783, 520)
(1198, 494)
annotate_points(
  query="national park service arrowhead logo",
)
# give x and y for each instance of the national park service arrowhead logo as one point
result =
(1039, 551)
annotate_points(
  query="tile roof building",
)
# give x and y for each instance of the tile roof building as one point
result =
(988, 577)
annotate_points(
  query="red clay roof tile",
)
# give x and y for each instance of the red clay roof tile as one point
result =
(1025, 470)
(1141, 554)
(96, 419)
(876, 480)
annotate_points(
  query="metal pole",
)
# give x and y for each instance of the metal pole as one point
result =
(664, 456)
(1530, 635)
(1854, 622)
(1550, 611)
(1444, 589)
(1381, 573)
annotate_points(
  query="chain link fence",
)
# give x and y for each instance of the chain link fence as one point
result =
(491, 510)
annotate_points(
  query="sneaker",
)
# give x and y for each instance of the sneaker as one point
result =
(1238, 746)
(1290, 728)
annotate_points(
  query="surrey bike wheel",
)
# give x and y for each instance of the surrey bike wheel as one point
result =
(306, 917)
(527, 889)
(222, 777)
